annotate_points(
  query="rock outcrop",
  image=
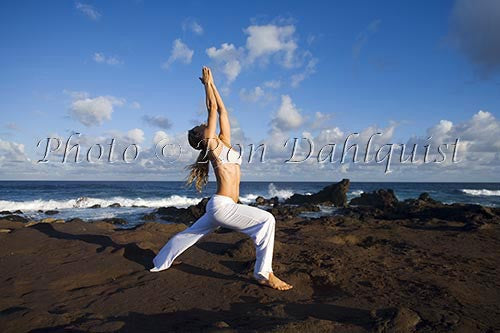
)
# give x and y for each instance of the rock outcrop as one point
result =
(382, 199)
(182, 215)
(334, 194)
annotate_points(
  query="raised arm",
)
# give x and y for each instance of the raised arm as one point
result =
(225, 127)
(211, 103)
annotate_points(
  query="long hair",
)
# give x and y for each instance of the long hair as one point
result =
(198, 171)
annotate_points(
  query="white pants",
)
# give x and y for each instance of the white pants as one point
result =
(222, 211)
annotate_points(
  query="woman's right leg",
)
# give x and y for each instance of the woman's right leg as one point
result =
(259, 225)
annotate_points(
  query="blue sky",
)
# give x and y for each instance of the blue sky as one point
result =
(129, 69)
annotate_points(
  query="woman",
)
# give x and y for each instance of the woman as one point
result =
(222, 209)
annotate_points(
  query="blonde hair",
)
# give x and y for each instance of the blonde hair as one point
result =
(198, 171)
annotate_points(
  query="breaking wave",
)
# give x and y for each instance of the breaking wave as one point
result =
(281, 194)
(87, 202)
(482, 192)
(356, 193)
(272, 191)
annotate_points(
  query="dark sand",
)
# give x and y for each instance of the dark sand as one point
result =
(351, 273)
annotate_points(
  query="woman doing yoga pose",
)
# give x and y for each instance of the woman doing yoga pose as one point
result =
(222, 209)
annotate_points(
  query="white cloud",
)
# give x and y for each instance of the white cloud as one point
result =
(11, 151)
(193, 26)
(157, 121)
(135, 105)
(159, 136)
(266, 40)
(136, 135)
(275, 143)
(259, 94)
(229, 57)
(133, 136)
(88, 11)
(320, 120)
(253, 95)
(479, 134)
(308, 70)
(311, 39)
(180, 52)
(93, 111)
(440, 130)
(264, 44)
(273, 84)
(100, 58)
(237, 134)
(11, 126)
(288, 116)
(329, 135)
(480, 161)
(363, 37)
(76, 94)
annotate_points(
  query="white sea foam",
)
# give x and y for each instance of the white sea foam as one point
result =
(272, 191)
(86, 202)
(281, 194)
(249, 198)
(482, 192)
(356, 193)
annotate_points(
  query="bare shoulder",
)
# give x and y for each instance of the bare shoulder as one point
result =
(214, 146)
(212, 143)
(226, 141)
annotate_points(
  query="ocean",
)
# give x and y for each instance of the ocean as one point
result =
(74, 198)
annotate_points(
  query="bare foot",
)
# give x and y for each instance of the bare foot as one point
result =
(275, 283)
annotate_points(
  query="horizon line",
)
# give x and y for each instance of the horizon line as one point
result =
(256, 181)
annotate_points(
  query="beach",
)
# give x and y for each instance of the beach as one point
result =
(379, 265)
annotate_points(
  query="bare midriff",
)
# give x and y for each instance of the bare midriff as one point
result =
(227, 175)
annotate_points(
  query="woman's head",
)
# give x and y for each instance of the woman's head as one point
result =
(196, 137)
(198, 173)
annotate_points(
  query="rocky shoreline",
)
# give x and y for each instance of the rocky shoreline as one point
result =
(376, 265)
